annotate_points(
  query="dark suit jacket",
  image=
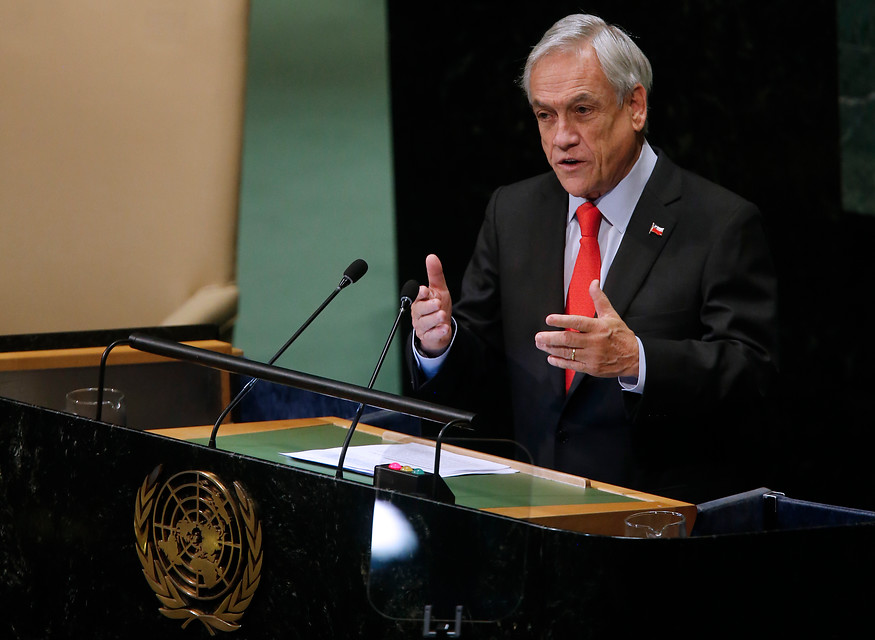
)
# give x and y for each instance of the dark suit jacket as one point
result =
(701, 297)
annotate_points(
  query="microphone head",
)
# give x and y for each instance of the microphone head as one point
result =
(353, 272)
(409, 292)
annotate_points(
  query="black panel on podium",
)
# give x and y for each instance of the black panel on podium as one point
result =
(439, 567)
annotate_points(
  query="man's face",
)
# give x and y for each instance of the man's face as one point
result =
(590, 142)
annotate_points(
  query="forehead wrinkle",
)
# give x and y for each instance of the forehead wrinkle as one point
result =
(576, 73)
(587, 97)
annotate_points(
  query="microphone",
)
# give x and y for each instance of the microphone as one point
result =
(355, 270)
(353, 273)
(408, 294)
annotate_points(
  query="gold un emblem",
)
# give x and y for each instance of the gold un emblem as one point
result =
(200, 547)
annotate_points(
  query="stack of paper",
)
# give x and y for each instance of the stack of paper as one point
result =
(363, 459)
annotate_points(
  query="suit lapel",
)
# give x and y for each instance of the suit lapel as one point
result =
(549, 272)
(649, 230)
(539, 237)
(547, 234)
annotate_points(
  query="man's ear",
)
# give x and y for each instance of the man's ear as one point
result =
(638, 107)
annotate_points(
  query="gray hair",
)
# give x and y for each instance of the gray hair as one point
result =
(623, 63)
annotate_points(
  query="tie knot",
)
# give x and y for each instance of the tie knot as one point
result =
(589, 218)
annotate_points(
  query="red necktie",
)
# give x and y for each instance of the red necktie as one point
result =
(586, 269)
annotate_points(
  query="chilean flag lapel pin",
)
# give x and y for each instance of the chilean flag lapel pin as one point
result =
(656, 230)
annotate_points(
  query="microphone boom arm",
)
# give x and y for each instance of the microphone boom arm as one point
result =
(290, 378)
(353, 273)
(358, 414)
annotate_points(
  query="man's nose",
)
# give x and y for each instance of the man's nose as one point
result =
(566, 134)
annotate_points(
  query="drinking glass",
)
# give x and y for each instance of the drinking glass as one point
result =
(83, 402)
(656, 524)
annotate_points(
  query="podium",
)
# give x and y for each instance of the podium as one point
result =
(109, 531)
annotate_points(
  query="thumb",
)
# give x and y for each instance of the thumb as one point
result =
(603, 306)
(435, 271)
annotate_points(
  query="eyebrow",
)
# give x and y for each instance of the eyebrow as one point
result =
(583, 96)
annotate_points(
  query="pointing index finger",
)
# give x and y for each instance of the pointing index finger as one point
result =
(435, 271)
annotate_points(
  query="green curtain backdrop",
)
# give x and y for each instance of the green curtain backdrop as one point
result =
(316, 188)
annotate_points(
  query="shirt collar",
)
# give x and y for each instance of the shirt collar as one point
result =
(618, 204)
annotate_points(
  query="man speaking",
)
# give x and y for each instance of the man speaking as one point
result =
(618, 315)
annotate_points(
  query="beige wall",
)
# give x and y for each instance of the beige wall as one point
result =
(120, 137)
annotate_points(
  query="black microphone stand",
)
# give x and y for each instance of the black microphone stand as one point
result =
(355, 271)
(101, 375)
(406, 301)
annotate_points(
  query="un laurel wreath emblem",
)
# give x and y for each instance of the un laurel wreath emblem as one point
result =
(200, 547)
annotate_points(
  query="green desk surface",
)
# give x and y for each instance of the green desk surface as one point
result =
(475, 491)
(540, 496)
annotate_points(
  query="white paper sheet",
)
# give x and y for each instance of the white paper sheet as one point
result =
(363, 459)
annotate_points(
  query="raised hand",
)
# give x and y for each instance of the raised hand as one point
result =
(432, 310)
(602, 346)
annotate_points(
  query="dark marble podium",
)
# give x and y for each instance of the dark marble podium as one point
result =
(70, 565)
